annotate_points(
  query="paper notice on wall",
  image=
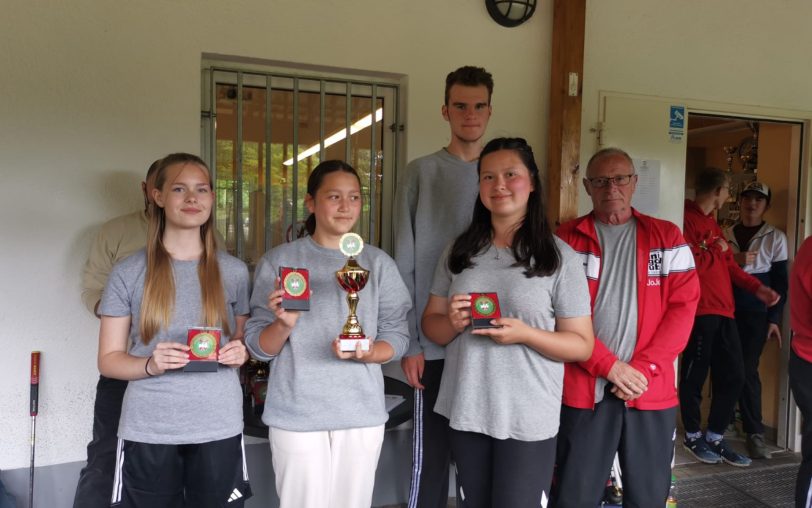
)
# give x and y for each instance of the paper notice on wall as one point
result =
(646, 197)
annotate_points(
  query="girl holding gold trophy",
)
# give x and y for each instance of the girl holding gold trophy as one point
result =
(172, 317)
(325, 406)
(510, 303)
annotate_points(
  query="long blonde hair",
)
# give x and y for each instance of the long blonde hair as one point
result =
(158, 301)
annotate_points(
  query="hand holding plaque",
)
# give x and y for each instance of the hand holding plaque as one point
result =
(484, 308)
(296, 286)
(352, 278)
(204, 343)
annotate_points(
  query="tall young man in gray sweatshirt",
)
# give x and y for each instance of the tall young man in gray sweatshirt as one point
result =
(435, 200)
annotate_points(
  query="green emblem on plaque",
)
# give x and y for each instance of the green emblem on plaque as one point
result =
(295, 284)
(203, 345)
(351, 244)
(484, 305)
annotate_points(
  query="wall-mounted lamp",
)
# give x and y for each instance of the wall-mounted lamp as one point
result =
(511, 13)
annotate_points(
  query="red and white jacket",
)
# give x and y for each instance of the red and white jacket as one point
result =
(667, 294)
(716, 268)
(800, 301)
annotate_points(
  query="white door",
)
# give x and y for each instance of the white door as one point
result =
(652, 131)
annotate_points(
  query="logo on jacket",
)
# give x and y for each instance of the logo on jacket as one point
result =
(655, 262)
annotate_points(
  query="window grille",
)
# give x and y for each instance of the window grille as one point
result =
(264, 132)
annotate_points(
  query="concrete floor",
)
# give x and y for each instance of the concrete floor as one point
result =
(765, 483)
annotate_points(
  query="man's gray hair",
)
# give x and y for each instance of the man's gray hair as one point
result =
(609, 152)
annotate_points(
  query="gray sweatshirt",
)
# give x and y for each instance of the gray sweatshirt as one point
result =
(509, 391)
(435, 202)
(178, 407)
(309, 388)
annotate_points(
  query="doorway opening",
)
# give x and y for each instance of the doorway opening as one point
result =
(766, 151)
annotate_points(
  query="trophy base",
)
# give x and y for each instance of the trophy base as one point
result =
(348, 345)
(201, 366)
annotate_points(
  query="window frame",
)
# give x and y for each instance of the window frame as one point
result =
(243, 74)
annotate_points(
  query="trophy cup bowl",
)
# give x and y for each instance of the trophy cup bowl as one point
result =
(352, 278)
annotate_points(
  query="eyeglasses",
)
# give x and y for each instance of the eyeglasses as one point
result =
(604, 181)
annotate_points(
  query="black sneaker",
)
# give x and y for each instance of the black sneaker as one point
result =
(701, 450)
(756, 448)
(728, 455)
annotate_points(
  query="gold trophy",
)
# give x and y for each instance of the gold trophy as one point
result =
(352, 278)
(730, 151)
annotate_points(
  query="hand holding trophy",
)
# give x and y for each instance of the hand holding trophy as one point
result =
(352, 278)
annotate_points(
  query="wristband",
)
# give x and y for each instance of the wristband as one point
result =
(147, 365)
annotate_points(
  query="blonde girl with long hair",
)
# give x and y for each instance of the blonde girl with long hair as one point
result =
(180, 433)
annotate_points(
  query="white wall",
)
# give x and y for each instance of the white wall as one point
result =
(91, 92)
(746, 52)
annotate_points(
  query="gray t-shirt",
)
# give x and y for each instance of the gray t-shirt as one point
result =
(178, 407)
(309, 388)
(509, 391)
(615, 316)
(435, 202)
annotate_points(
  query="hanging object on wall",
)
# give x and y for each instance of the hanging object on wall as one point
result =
(748, 150)
(511, 13)
(730, 151)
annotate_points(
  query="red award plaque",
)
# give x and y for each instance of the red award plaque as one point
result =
(296, 283)
(484, 308)
(204, 343)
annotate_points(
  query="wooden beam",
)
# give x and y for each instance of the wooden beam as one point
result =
(564, 141)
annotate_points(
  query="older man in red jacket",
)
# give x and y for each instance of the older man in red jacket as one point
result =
(644, 293)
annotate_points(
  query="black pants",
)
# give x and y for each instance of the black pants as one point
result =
(752, 328)
(96, 479)
(501, 473)
(714, 345)
(430, 452)
(588, 440)
(204, 475)
(800, 381)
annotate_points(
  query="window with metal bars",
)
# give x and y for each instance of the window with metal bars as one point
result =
(264, 132)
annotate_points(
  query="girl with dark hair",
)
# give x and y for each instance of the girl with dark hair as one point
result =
(180, 433)
(325, 408)
(501, 387)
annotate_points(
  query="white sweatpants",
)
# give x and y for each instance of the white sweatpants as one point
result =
(325, 469)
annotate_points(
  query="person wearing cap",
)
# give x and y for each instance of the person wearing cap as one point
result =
(761, 250)
(714, 344)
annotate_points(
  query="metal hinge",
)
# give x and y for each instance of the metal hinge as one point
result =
(598, 130)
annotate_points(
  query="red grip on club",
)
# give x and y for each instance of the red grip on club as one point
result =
(34, 382)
